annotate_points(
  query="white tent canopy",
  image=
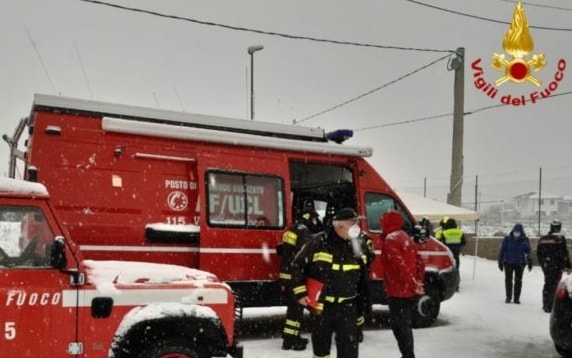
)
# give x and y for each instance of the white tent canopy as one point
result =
(434, 210)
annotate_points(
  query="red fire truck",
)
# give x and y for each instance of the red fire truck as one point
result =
(55, 303)
(206, 192)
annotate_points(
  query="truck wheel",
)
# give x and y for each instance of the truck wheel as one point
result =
(427, 309)
(172, 348)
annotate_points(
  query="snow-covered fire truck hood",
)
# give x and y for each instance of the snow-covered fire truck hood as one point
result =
(102, 273)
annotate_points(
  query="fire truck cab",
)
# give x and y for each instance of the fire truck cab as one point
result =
(55, 303)
(205, 192)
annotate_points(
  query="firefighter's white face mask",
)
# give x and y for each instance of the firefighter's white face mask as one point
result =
(354, 231)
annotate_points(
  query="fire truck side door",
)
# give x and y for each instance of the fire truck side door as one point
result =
(38, 312)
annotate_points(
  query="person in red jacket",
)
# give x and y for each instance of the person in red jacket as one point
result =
(403, 278)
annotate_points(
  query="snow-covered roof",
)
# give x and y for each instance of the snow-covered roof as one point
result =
(434, 210)
(544, 196)
(129, 112)
(17, 186)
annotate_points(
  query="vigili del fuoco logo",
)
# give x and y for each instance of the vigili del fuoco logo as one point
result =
(518, 65)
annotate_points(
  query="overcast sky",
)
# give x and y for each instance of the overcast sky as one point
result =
(79, 49)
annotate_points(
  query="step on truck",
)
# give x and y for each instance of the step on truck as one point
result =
(205, 192)
(56, 303)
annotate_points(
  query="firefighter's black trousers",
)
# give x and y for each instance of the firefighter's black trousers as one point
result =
(400, 314)
(294, 318)
(551, 278)
(338, 318)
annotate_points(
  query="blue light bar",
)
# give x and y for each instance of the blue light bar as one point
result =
(339, 136)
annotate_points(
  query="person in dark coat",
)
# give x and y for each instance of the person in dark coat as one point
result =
(553, 258)
(514, 255)
(329, 275)
(404, 277)
(293, 239)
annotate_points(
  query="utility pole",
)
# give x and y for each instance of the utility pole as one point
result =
(539, 201)
(454, 197)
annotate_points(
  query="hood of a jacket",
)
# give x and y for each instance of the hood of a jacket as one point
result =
(518, 228)
(391, 221)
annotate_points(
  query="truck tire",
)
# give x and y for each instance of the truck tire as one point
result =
(427, 309)
(172, 348)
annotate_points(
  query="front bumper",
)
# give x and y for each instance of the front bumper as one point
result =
(450, 279)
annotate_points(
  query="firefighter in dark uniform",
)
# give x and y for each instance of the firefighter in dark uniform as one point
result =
(335, 263)
(292, 240)
(553, 258)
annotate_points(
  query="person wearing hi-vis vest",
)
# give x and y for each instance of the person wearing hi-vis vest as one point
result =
(329, 277)
(454, 237)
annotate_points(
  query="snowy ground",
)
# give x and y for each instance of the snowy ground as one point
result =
(475, 323)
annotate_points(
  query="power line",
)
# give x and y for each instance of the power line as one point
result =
(41, 61)
(269, 33)
(372, 91)
(83, 70)
(406, 121)
(485, 18)
(539, 5)
(467, 113)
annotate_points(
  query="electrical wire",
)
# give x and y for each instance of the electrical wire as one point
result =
(467, 113)
(41, 61)
(371, 91)
(269, 33)
(486, 18)
(539, 5)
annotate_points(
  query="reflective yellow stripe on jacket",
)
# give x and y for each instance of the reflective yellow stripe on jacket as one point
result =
(345, 268)
(453, 236)
(323, 256)
(290, 238)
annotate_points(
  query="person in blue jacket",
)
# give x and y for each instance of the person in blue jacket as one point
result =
(514, 256)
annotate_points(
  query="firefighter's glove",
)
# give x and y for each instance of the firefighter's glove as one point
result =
(284, 285)
(500, 266)
(279, 249)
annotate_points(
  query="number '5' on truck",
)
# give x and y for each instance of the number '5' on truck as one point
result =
(211, 193)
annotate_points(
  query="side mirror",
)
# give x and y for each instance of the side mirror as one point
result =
(420, 234)
(58, 253)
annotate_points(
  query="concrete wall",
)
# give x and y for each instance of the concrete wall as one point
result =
(488, 247)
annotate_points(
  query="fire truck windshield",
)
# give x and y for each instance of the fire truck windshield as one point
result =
(25, 237)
